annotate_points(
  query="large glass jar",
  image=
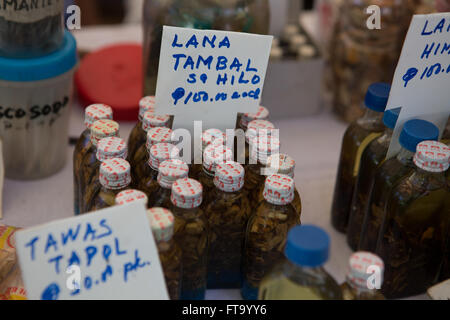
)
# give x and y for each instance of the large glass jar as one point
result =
(138, 135)
(233, 15)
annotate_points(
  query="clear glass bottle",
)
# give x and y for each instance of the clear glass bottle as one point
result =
(364, 278)
(170, 254)
(169, 172)
(413, 235)
(371, 159)
(231, 15)
(107, 148)
(131, 196)
(254, 129)
(138, 135)
(91, 114)
(115, 177)
(228, 212)
(192, 230)
(99, 130)
(213, 155)
(267, 232)
(387, 176)
(301, 275)
(158, 154)
(210, 136)
(358, 135)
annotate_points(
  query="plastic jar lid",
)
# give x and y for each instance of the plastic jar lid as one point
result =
(161, 223)
(229, 176)
(115, 173)
(390, 117)
(258, 127)
(146, 104)
(111, 147)
(263, 147)
(262, 114)
(46, 67)
(360, 265)
(432, 156)
(103, 129)
(215, 136)
(377, 96)
(161, 152)
(129, 196)
(215, 154)
(158, 135)
(415, 131)
(96, 112)
(307, 246)
(187, 193)
(151, 120)
(171, 171)
(279, 189)
(286, 164)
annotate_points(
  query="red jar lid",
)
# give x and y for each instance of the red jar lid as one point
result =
(113, 76)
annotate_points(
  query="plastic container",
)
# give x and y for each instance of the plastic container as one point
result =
(35, 96)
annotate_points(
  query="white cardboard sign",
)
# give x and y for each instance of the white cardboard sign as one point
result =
(421, 85)
(210, 76)
(109, 254)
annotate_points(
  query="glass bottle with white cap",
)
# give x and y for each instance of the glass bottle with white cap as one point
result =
(192, 231)
(267, 231)
(413, 236)
(138, 135)
(170, 254)
(228, 212)
(91, 114)
(107, 148)
(213, 155)
(256, 128)
(158, 154)
(364, 278)
(210, 136)
(169, 172)
(244, 119)
(115, 177)
(301, 276)
(131, 196)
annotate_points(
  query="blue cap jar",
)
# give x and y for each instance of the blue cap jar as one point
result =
(377, 96)
(390, 117)
(415, 131)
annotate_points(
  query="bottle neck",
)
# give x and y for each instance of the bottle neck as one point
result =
(371, 119)
(164, 246)
(430, 180)
(405, 157)
(360, 290)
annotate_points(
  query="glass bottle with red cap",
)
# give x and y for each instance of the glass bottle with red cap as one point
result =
(115, 177)
(138, 135)
(267, 231)
(170, 255)
(255, 128)
(192, 231)
(91, 114)
(169, 172)
(107, 148)
(228, 212)
(364, 278)
(244, 119)
(210, 136)
(413, 235)
(131, 196)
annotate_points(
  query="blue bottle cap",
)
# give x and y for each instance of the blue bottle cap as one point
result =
(377, 96)
(390, 117)
(307, 246)
(415, 131)
(45, 67)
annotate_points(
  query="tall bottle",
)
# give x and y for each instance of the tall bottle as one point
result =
(413, 235)
(301, 275)
(192, 231)
(170, 254)
(169, 172)
(210, 136)
(387, 176)
(358, 135)
(267, 232)
(131, 196)
(138, 135)
(364, 278)
(371, 159)
(91, 114)
(228, 212)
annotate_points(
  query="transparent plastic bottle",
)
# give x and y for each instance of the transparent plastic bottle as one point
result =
(364, 278)
(170, 254)
(210, 136)
(387, 176)
(138, 135)
(357, 137)
(228, 212)
(131, 196)
(267, 232)
(301, 275)
(254, 129)
(371, 159)
(192, 231)
(91, 114)
(169, 172)
(413, 235)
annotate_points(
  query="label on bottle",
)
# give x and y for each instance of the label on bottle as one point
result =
(29, 11)
(361, 149)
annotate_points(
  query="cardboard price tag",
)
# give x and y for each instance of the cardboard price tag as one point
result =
(210, 76)
(421, 81)
(109, 254)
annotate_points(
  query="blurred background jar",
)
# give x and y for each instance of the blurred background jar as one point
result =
(233, 15)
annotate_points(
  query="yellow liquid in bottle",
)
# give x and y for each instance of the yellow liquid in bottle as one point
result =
(285, 289)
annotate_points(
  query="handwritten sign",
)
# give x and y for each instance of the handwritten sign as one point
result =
(421, 81)
(210, 76)
(109, 254)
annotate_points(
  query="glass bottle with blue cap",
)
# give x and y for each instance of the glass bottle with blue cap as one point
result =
(301, 276)
(389, 173)
(357, 137)
(371, 159)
